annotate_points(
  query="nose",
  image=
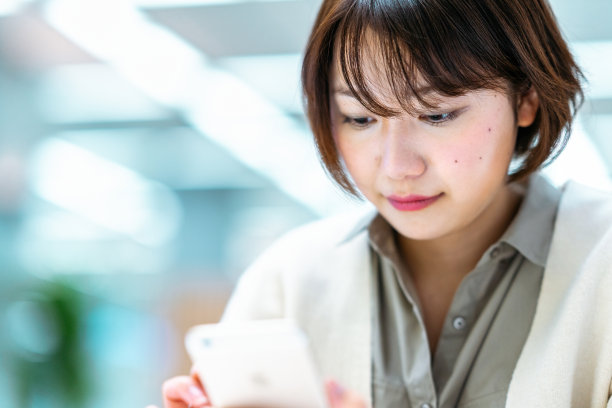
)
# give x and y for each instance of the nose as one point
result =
(400, 153)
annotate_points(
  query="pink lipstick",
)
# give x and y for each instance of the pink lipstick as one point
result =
(412, 202)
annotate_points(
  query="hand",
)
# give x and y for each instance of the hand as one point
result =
(338, 397)
(188, 392)
(184, 392)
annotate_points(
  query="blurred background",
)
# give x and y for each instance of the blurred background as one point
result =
(149, 151)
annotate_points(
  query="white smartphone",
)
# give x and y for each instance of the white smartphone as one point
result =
(259, 363)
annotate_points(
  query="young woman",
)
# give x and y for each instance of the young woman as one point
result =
(476, 283)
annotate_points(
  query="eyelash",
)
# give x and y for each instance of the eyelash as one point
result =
(447, 117)
(363, 122)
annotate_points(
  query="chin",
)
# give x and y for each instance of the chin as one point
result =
(420, 234)
(424, 237)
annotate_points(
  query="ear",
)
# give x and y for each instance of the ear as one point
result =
(528, 106)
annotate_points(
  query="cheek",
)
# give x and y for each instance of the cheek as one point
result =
(484, 149)
(358, 159)
(460, 156)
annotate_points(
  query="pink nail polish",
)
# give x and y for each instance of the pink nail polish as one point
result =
(198, 398)
(337, 391)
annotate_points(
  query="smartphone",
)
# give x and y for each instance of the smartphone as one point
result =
(259, 363)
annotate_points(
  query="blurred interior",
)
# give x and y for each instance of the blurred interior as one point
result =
(149, 151)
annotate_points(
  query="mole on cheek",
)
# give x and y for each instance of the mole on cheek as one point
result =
(489, 129)
(480, 158)
(456, 161)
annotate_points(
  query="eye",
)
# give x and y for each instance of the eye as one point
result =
(359, 122)
(439, 118)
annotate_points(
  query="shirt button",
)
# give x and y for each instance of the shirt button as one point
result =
(459, 323)
(495, 252)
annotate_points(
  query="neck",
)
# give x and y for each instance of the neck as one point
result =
(458, 253)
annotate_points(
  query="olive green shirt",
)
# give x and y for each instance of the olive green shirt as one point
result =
(486, 325)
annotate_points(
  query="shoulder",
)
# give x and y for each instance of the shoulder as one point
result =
(575, 193)
(585, 211)
(582, 239)
(318, 238)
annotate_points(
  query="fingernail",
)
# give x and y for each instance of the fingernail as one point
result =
(198, 396)
(337, 391)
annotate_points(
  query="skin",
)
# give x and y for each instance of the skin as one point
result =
(460, 152)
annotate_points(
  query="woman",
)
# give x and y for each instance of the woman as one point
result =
(476, 282)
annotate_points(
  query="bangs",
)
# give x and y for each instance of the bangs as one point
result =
(418, 53)
(405, 55)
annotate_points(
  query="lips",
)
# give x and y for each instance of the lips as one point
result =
(412, 202)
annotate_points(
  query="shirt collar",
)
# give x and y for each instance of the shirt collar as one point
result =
(531, 230)
(382, 237)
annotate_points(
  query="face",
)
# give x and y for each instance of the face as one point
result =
(435, 172)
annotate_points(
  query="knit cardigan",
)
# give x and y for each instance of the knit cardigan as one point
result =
(319, 275)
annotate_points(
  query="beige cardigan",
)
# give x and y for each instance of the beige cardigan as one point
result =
(319, 275)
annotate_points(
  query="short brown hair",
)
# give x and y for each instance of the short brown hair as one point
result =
(454, 46)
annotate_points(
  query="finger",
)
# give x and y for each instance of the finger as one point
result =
(196, 377)
(334, 393)
(338, 397)
(183, 392)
